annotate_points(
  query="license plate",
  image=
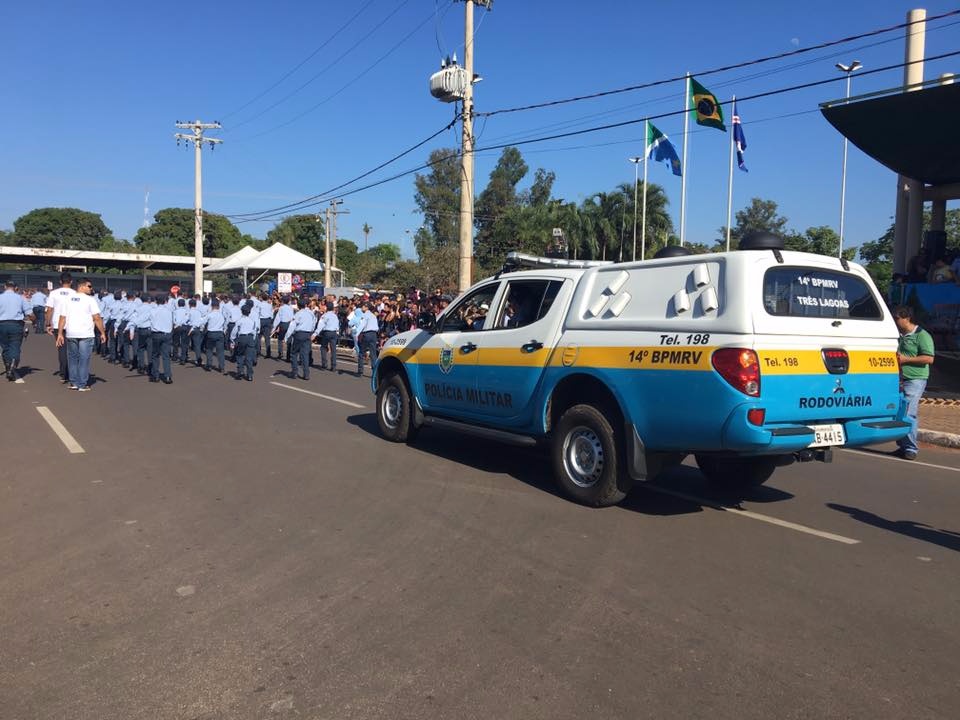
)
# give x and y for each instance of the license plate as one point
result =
(827, 435)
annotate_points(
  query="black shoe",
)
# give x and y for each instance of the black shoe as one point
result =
(167, 381)
(249, 379)
(11, 374)
(207, 368)
(153, 379)
(904, 454)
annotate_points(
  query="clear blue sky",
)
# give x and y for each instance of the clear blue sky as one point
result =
(92, 91)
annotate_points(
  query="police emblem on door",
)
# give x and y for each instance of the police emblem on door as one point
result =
(446, 360)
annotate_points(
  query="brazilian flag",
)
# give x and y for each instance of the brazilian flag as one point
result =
(708, 109)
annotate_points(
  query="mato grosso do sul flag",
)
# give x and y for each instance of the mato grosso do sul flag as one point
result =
(660, 149)
(707, 107)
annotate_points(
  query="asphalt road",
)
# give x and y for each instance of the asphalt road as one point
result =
(224, 549)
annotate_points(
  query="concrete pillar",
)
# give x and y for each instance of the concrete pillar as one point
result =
(908, 222)
(938, 215)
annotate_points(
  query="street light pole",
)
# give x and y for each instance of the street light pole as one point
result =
(636, 183)
(849, 70)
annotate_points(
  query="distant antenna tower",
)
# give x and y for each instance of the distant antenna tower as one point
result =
(146, 208)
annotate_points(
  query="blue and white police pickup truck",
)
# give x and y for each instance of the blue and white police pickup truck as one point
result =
(748, 360)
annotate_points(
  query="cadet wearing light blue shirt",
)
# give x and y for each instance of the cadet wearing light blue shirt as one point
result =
(280, 324)
(141, 326)
(300, 331)
(368, 330)
(214, 324)
(328, 328)
(39, 302)
(195, 333)
(243, 338)
(161, 327)
(14, 308)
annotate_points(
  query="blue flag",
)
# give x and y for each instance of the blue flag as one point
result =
(738, 138)
(660, 149)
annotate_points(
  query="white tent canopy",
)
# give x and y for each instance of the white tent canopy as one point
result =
(234, 261)
(280, 258)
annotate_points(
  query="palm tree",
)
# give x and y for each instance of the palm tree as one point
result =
(659, 224)
(366, 229)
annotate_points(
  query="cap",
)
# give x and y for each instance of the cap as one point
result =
(484, 306)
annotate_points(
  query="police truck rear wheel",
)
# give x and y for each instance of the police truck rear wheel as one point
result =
(736, 473)
(394, 410)
(586, 457)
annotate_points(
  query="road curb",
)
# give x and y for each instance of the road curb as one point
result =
(943, 439)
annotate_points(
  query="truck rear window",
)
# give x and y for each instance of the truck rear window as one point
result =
(811, 292)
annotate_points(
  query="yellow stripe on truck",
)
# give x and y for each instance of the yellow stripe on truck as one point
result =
(654, 357)
(810, 362)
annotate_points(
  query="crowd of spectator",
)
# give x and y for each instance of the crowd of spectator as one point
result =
(944, 269)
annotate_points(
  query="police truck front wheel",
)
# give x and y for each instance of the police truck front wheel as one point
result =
(587, 457)
(737, 473)
(395, 410)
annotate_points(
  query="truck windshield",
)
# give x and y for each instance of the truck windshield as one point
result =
(812, 292)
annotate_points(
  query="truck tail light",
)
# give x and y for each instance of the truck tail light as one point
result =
(740, 368)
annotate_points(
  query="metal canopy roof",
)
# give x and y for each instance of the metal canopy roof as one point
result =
(912, 133)
(50, 256)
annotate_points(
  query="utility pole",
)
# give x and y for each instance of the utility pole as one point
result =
(466, 174)
(197, 138)
(326, 251)
(334, 211)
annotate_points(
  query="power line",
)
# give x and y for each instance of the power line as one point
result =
(319, 199)
(515, 136)
(304, 61)
(340, 58)
(327, 99)
(293, 206)
(714, 71)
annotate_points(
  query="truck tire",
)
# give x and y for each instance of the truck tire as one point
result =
(737, 473)
(395, 410)
(586, 452)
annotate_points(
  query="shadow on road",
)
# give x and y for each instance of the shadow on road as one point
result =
(533, 467)
(944, 538)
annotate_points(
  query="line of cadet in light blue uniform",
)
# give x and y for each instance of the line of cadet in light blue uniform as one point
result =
(149, 334)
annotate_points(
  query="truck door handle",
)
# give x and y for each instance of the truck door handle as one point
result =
(468, 348)
(531, 346)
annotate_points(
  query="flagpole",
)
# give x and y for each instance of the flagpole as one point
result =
(643, 226)
(686, 170)
(733, 106)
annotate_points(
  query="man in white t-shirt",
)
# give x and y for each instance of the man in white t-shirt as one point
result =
(78, 317)
(55, 301)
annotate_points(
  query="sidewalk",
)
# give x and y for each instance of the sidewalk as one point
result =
(939, 422)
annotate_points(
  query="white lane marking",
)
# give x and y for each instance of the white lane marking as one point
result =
(65, 437)
(754, 516)
(878, 456)
(319, 395)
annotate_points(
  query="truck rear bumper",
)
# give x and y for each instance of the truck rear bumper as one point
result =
(740, 435)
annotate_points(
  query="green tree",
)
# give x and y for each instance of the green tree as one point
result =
(347, 258)
(302, 233)
(821, 240)
(541, 190)
(438, 199)
(60, 228)
(497, 197)
(759, 216)
(172, 233)
(659, 225)
(366, 230)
